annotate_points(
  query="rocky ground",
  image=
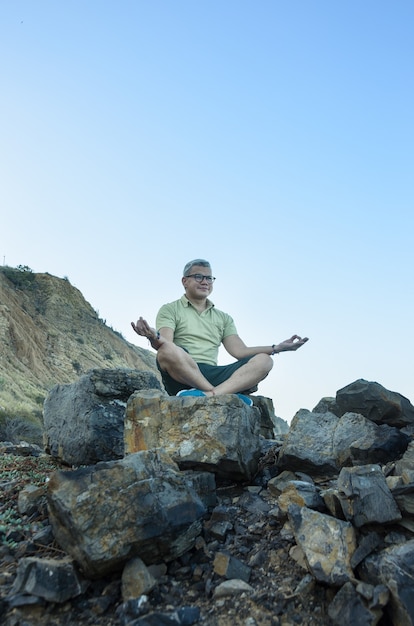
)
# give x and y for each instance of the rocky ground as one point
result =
(242, 525)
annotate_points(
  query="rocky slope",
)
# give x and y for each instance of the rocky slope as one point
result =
(50, 334)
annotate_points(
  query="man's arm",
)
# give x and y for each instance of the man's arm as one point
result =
(238, 349)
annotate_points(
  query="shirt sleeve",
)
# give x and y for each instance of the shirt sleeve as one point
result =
(229, 326)
(166, 317)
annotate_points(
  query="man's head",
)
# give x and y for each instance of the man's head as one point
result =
(199, 262)
(197, 279)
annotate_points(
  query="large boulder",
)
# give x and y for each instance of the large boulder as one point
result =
(106, 514)
(84, 421)
(376, 403)
(322, 443)
(219, 434)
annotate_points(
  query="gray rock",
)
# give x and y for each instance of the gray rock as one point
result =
(52, 579)
(308, 444)
(301, 493)
(404, 497)
(407, 460)
(366, 544)
(277, 484)
(29, 499)
(326, 405)
(349, 608)
(270, 424)
(365, 496)
(322, 443)
(106, 514)
(376, 403)
(359, 441)
(394, 567)
(84, 421)
(230, 567)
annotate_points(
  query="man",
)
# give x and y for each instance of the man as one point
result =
(190, 331)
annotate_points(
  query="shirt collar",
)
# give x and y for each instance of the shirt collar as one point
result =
(186, 302)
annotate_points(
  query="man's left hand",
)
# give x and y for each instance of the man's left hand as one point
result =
(291, 344)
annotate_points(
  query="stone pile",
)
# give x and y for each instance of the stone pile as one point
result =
(337, 489)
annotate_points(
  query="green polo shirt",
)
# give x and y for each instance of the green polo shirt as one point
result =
(199, 333)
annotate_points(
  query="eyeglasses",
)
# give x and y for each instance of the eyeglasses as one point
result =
(200, 277)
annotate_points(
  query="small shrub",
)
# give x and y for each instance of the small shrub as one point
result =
(17, 429)
(21, 277)
(77, 367)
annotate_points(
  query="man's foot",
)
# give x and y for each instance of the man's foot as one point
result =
(190, 392)
(245, 399)
(198, 393)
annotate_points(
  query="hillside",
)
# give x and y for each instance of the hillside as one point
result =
(50, 334)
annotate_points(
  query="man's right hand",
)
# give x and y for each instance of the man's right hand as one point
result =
(144, 329)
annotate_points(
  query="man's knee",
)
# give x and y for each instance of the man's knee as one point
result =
(264, 361)
(169, 356)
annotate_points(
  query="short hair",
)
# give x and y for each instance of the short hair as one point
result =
(190, 264)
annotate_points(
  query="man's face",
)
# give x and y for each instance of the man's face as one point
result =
(194, 288)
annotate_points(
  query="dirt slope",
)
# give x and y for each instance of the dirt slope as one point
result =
(50, 334)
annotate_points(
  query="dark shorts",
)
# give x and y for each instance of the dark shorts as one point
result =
(215, 375)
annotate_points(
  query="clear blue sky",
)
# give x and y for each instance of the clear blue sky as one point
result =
(273, 138)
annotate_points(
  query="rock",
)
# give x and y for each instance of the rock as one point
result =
(394, 567)
(332, 502)
(219, 434)
(365, 496)
(106, 514)
(23, 448)
(301, 493)
(204, 484)
(52, 579)
(270, 424)
(404, 497)
(328, 544)
(376, 403)
(278, 483)
(308, 444)
(230, 567)
(172, 533)
(366, 544)
(322, 443)
(44, 536)
(326, 405)
(220, 530)
(84, 421)
(232, 587)
(407, 460)
(136, 580)
(28, 499)
(359, 441)
(184, 616)
(348, 608)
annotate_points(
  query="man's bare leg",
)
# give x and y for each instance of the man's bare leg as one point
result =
(246, 376)
(180, 366)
